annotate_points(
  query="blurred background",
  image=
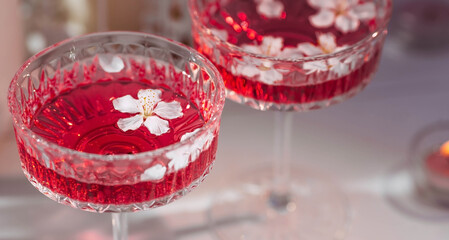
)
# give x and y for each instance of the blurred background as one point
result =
(362, 144)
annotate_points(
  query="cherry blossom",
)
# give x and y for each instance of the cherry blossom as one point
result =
(152, 112)
(179, 158)
(326, 45)
(154, 173)
(111, 64)
(270, 8)
(344, 14)
(264, 69)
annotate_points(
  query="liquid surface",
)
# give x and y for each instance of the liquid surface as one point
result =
(85, 119)
(245, 22)
(249, 23)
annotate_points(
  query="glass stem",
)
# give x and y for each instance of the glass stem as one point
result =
(120, 226)
(279, 195)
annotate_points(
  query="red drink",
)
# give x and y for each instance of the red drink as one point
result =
(85, 119)
(247, 23)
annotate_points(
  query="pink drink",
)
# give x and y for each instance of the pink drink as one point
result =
(84, 119)
(244, 25)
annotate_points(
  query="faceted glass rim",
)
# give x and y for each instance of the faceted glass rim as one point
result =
(379, 32)
(193, 55)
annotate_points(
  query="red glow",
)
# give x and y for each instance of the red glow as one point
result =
(283, 15)
(237, 28)
(251, 34)
(242, 16)
(229, 20)
(244, 25)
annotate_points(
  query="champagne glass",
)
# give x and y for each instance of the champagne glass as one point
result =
(288, 56)
(116, 122)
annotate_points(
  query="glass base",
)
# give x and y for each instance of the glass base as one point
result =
(314, 209)
(100, 208)
(297, 107)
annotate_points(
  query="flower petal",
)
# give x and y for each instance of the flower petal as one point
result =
(327, 42)
(148, 98)
(127, 104)
(251, 48)
(315, 66)
(352, 61)
(272, 46)
(169, 110)
(270, 8)
(179, 158)
(366, 11)
(270, 76)
(291, 53)
(351, 3)
(189, 134)
(110, 63)
(309, 49)
(245, 70)
(323, 19)
(347, 23)
(131, 123)
(179, 162)
(341, 48)
(338, 67)
(154, 173)
(332, 4)
(156, 125)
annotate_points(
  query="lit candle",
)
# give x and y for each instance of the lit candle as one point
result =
(437, 168)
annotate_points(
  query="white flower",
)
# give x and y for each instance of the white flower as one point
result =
(152, 112)
(263, 69)
(326, 45)
(154, 173)
(345, 14)
(270, 46)
(111, 64)
(179, 158)
(270, 8)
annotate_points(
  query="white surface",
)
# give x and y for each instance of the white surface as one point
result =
(356, 143)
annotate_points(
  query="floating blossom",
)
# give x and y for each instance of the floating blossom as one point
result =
(152, 112)
(263, 69)
(111, 64)
(154, 173)
(326, 45)
(180, 157)
(344, 14)
(270, 46)
(270, 8)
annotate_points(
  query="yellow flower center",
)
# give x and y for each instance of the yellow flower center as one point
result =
(342, 8)
(148, 105)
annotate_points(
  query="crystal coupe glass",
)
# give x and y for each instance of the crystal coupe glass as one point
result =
(116, 122)
(287, 56)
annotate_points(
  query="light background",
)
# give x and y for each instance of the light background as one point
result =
(357, 143)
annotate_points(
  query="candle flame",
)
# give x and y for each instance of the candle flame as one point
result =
(444, 149)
